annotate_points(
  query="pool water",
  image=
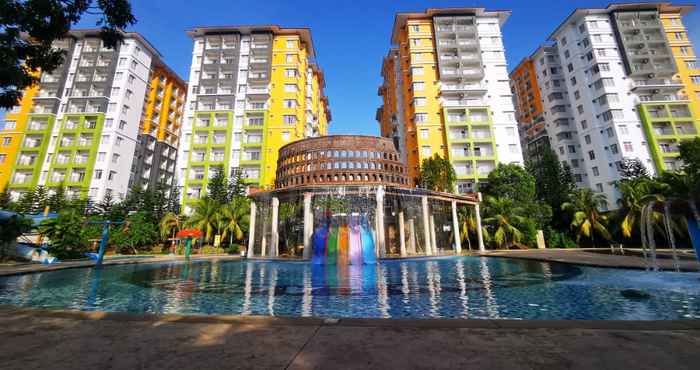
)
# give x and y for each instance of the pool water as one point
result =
(452, 287)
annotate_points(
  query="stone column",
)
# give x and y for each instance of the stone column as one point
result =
(412, 236)
(308, 226)
(455, 225)
(381, 236)
(479, 235)
(275, 237)
(426, 225)
(433, 243)
(251, 230)
(402, 234)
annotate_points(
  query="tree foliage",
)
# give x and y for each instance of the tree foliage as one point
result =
(437, 174)
(29, 27)
(632, 169)
(553, 180)
(66, 234)
(586, 219)
(140, 230)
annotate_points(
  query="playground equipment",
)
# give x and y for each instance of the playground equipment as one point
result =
(188, 235)
(105, 238)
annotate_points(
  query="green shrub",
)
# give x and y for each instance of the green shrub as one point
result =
(233, 249)
(208, 249)
(557, 239)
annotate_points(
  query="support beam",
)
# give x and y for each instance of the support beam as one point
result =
(275, 237)
(308, 225)
(381, 235)
(426, 225)
(402, 234)
(479, 235)
(455, 225)
(251, 230)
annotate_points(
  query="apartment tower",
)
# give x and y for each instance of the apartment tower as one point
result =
(616, 83)
(446, 92)
(252, 89)
(79, 127)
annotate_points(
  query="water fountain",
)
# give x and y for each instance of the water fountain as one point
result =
(682, 208)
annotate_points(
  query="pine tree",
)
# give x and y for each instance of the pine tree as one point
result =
(217, 188)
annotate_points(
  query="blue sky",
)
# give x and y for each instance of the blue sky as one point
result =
(350, 37)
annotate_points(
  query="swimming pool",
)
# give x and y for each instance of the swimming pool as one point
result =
(448, 287)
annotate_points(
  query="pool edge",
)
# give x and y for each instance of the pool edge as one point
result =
(637, 325)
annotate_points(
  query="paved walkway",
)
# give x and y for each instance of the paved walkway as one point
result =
(76, 340)
(584, 257)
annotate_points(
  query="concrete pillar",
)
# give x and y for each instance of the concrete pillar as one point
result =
(381, 235)
(412, 236)
(251, 230)
(308, 226)
(275, 237)
(402, 234)
(479, 236)
(433, 243)
(455, 225)
(426, 226)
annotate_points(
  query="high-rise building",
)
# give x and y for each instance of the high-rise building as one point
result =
(156, 146)
(79, 127)
(446, 92)
(529, 110)
(252, 89)
(616, 83)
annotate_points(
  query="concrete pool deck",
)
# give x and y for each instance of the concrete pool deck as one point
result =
(41, 339)
(588, 258)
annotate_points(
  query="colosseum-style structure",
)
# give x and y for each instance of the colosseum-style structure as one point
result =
(340, 159)
(347, 199)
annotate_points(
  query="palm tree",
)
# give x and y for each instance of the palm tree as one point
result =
(204, 217)
(467, 223)
(586, 219)
(635, 195)
(169, 225)
(232, 219)
(503, 216)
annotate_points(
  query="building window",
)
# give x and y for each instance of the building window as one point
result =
(290, 72)
(111, 175)
(290, 119)
(122, 124)
(98, 174)
(415, 28)
(424, 133)
(417, 71)
(613, 149)
(580, 109)
(572, 149)
(115, 158)
(623, 129)
(418, 86)
(679, 35)
(587, 138)
(595, 171)
(426, 150)
(419, 102)
(421, 117)
(691, 64)
(285, 135)
(599, 187)
(6, 141)
(101, 156)
(290, 103)
(291, 44)
(591, 155)
(628, 146)
(290, 88)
